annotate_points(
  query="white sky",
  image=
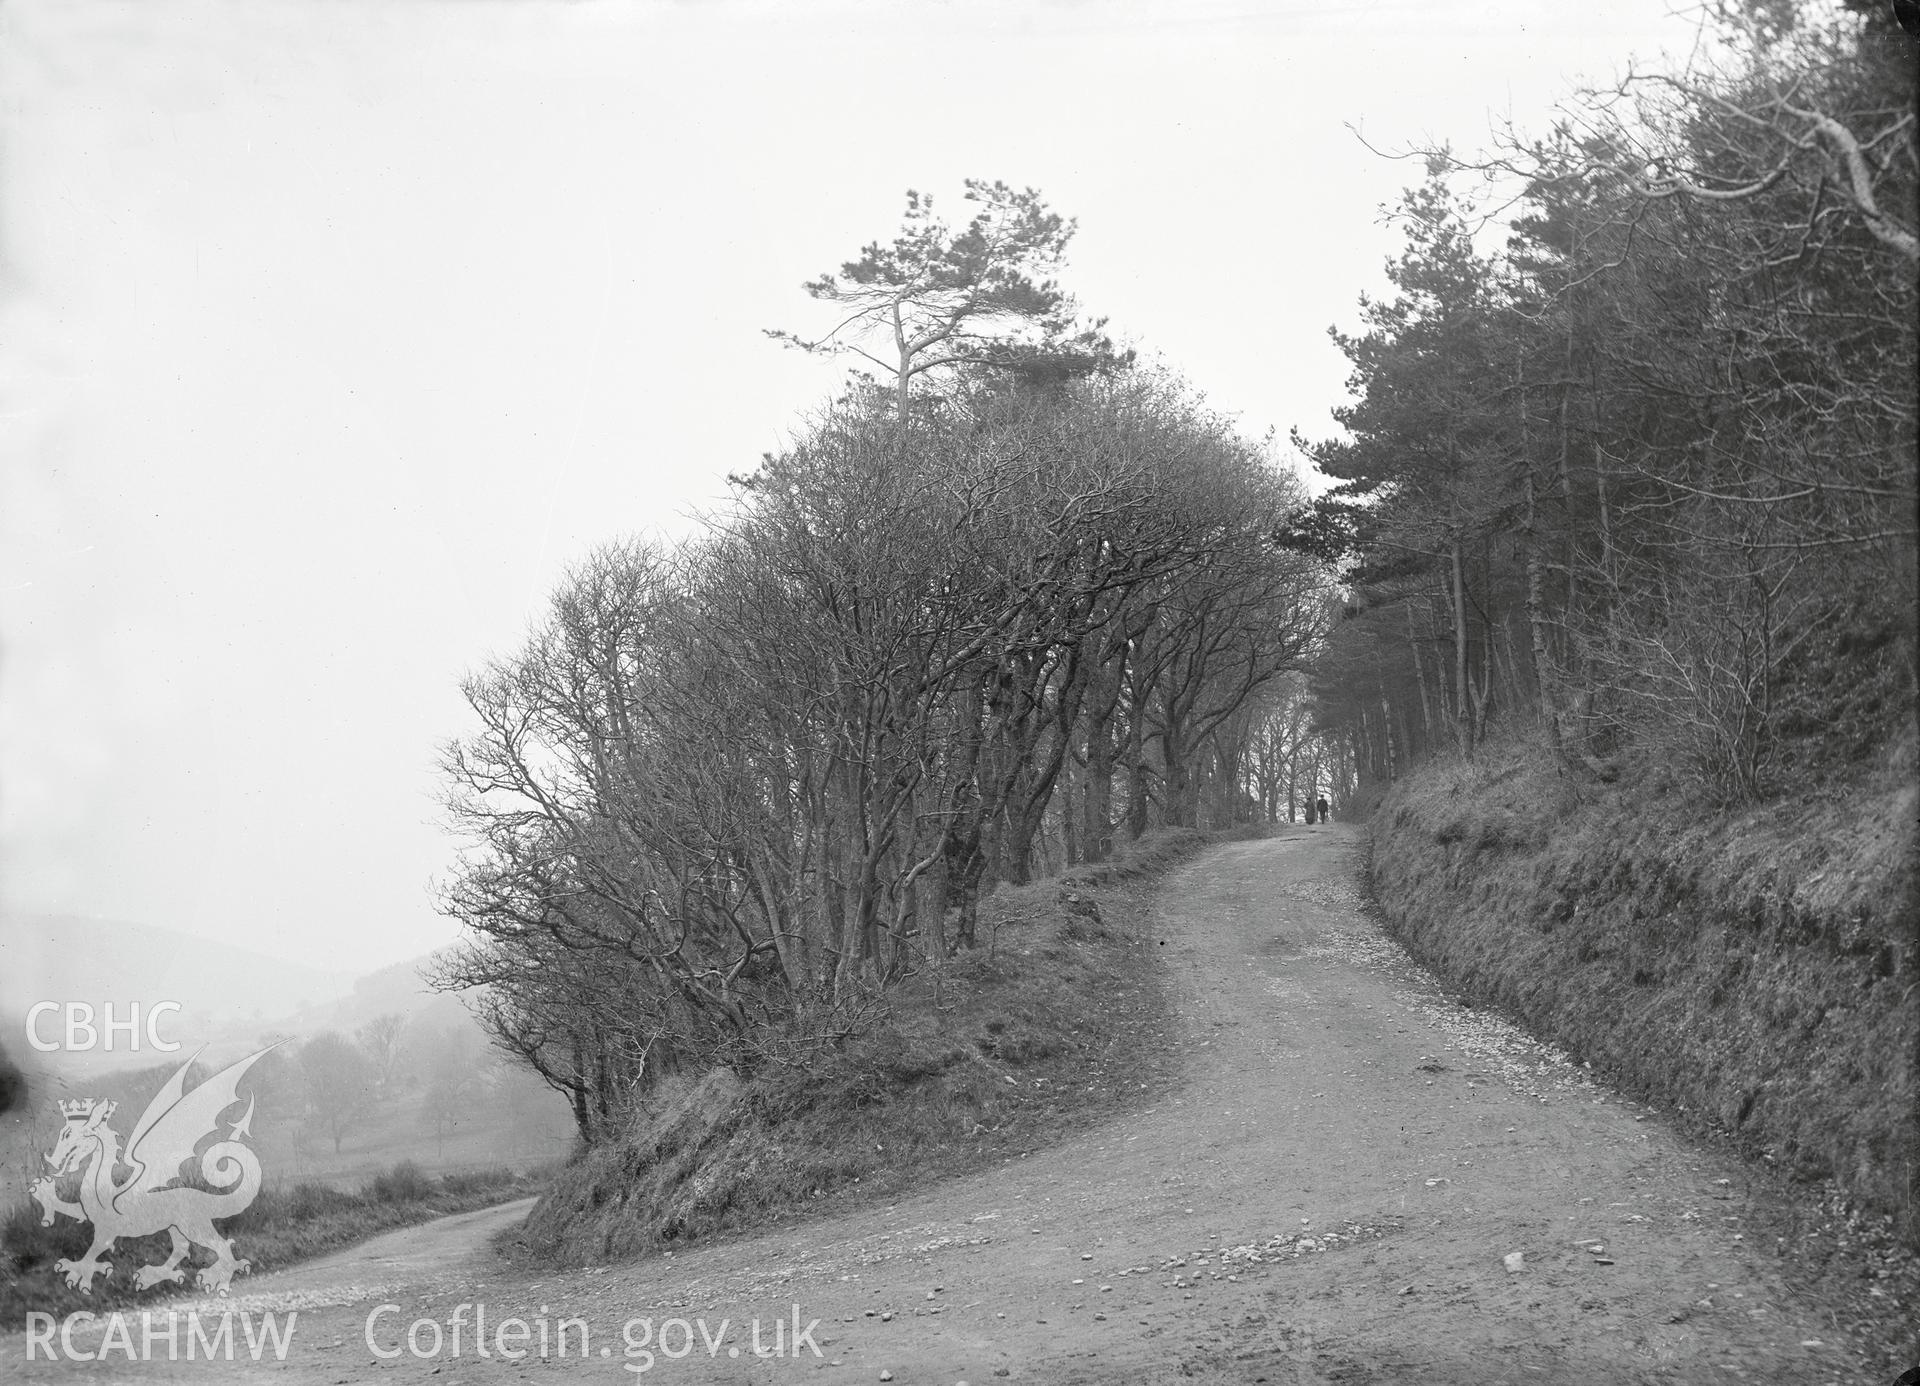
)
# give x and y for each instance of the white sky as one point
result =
(331, 333)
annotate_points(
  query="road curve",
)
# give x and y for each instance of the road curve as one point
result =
(1335, 1192)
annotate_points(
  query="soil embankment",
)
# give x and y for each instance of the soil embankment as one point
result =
(1755, 972)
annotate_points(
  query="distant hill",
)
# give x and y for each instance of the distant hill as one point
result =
(228, 996)
(397, 989)
(230, 1000)
(64, 958)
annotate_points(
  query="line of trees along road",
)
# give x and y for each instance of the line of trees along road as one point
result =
(1647, 473)
(734, 789)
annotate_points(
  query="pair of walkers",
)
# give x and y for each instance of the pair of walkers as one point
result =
(1317, 810)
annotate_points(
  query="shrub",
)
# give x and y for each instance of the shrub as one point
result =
(406, 1182)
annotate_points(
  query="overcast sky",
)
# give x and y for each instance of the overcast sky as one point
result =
(332, 333)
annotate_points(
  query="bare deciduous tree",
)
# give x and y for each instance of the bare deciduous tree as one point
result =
(383, 1038)
(339, 1084)
(730, 793)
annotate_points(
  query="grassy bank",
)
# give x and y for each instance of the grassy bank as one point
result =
(1755, 971)
(1057, 1021)
(283, 1226)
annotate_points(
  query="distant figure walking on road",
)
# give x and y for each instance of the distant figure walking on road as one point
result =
(1309, 808)
(1320, 806)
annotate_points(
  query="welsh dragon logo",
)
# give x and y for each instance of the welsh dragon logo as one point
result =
(151, 1197)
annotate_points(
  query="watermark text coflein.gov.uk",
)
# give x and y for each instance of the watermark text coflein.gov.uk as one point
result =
(644, 1341)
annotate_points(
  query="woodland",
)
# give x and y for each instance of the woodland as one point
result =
(1628, 462)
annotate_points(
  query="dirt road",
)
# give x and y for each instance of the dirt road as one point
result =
(1335, 1193)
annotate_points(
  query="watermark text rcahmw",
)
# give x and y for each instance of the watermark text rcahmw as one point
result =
(161, 1333)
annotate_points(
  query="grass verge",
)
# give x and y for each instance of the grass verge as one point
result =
(283, 1226)
(1056, 1022)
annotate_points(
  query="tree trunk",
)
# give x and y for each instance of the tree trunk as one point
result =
(1137, 773)
(932, 886)
(1177, 780)
(1096, 838)
(1544, 674)
(1419, 678)
(1070, 814)
(1016, 844)
(906, 364)
(1462, 698)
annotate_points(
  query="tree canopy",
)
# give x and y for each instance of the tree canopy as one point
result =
(731, 792)
(983, 297)
(1646, 473)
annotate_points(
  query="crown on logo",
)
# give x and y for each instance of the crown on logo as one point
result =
(80, 1107)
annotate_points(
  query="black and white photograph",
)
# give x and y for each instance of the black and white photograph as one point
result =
(953, 691)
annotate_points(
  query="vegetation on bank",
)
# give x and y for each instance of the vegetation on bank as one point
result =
(285, 1224)
(1752, 971)
(1755, 970)
(1058, 1019)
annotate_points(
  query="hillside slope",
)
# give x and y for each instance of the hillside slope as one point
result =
(1755, 970)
